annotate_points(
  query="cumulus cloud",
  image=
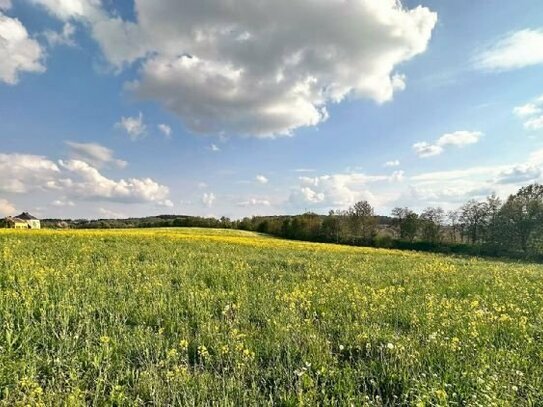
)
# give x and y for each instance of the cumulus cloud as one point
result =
(457, 139)
(18, 52)
(21, 173)
(258, 68)
(519, 49)
(134, 126)
(334, 191)
(531, 114)
(6, 208)
(94, 154)
(165, 129)
(215, 148)
(87, 182)
(261, 179)
(208, 199)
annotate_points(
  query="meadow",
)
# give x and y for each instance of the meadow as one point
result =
(204, 317)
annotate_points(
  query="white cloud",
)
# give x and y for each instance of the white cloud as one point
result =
(306, 195)
(519, 174)
(517, 50)
(87, 182)
(448, 197)
(21, 173)
(18, 52)
(451, 188)
(6, 208)
(109, 214)
(534, 124)
(531, 113)
(68, 9)
(457, 139)
(258, 68)
(393, 163)
(536, 158)
(215, 148)
(334, 191)
(261, 179)
(424, 149)
(165, 129)
(527, 110)
(134, 126)
(255, 202)
(166, 203)
(208, 199)
(64, 37)
(397, 176)
(59, 203)
(94, 154)
(459, 175)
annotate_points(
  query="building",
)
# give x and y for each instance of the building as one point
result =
(23, 221)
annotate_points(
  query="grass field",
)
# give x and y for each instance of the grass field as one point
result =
(195, 317)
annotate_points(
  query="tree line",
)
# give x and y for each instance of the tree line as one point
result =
(490, 227)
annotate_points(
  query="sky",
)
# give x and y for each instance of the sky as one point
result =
(203, 107)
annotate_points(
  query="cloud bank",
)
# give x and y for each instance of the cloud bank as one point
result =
(257, 68)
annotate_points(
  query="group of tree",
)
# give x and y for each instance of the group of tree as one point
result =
(489, 227)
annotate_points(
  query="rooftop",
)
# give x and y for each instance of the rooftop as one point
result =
(26, 216)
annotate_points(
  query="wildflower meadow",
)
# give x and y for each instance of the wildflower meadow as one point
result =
(204, 317)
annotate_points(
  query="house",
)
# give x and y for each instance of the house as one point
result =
(23, 221)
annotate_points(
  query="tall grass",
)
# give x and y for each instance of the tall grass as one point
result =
(198, 317)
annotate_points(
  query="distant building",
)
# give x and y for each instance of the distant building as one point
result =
(23, 221)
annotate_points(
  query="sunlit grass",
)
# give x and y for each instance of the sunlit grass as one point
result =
(198, 316)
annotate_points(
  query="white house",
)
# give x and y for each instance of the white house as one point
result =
(23, 221)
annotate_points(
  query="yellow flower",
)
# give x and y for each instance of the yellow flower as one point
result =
(184, 344)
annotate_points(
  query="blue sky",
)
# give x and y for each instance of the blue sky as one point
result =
(268, 108)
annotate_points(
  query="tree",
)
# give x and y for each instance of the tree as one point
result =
(432, 220)
(494, 225)
(523, 215)
(454, 225)
(473, 217)
(362, 221)
(331, 227)
(407, 221)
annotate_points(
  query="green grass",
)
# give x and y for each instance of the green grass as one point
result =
(200, 317)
